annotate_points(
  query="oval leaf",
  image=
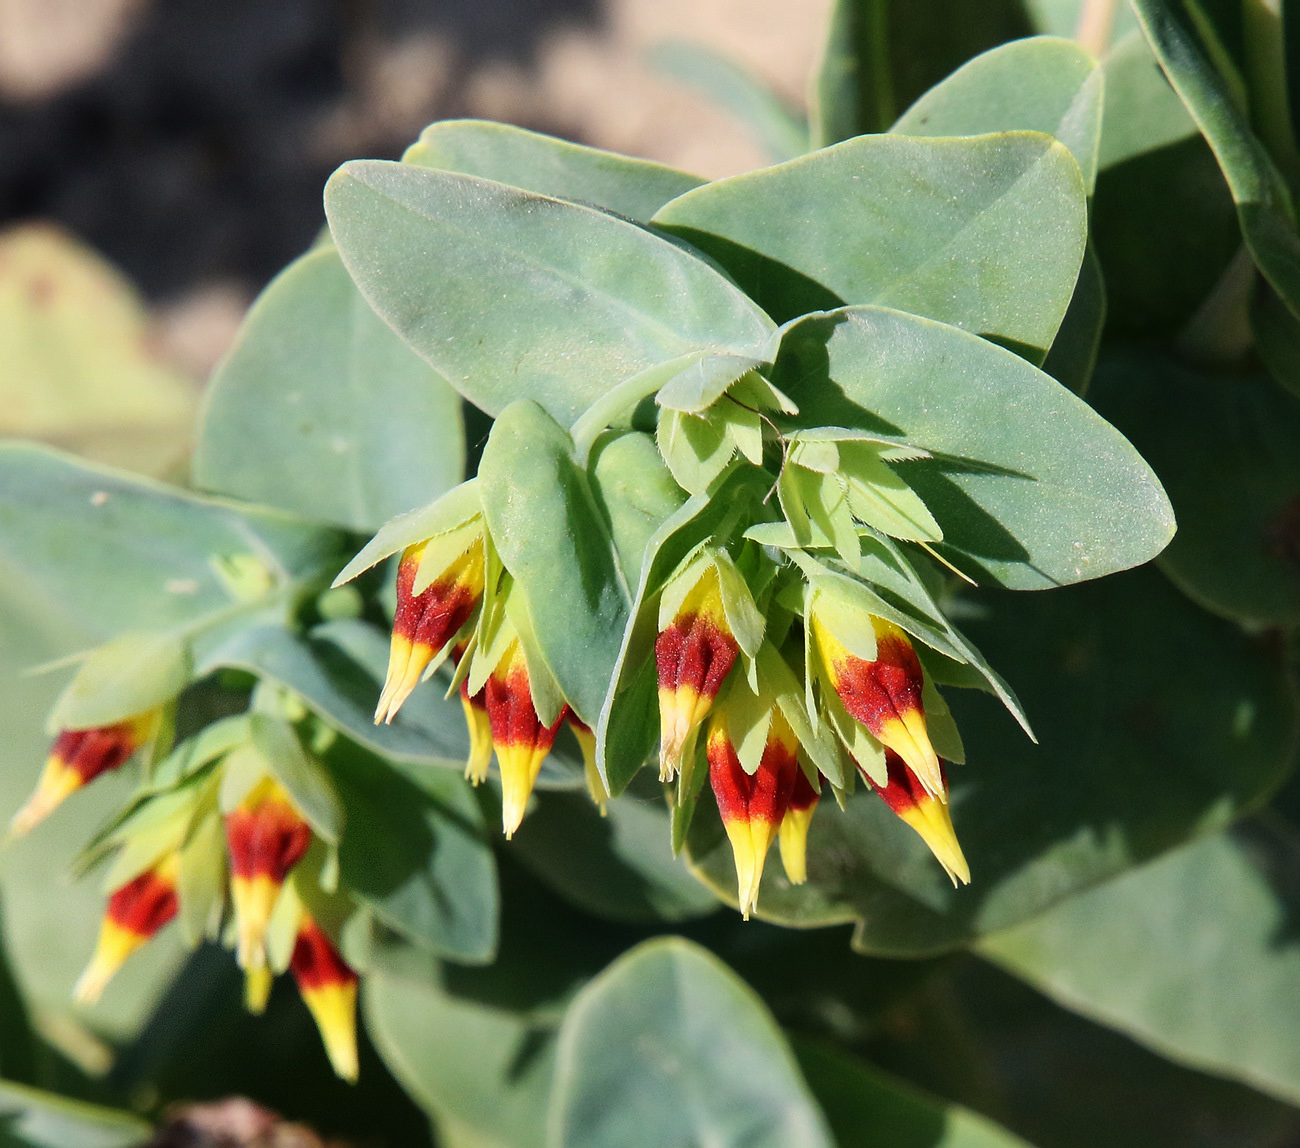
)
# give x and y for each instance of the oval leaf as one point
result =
(984, 233)
(513, 295)
(708, 1065)
(320, 409)
(1031, 487)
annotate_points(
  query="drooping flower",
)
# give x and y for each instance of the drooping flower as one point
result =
(478, 724)
(425, 622)
(884, 694)
(591, 772)
(267, 837)
(78, 757)
(520, 739)
(329, 989)
(926, 814)
(693, 655)
(793, 837)
(752, 805)
(135, 912)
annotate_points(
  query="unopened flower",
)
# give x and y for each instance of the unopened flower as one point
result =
(693, 654)
(884, 694)
(591, 772)
(478, 725)
(267, 837)
(752, 805)
(135, 912)
(329, 989)
(793, 837)
(925, 813)
(78, 757)
(520, 739)
(425, 622)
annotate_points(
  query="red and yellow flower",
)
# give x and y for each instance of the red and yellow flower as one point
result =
(329, 989)
(135, 912)
(267, 836)
(78, 757)
(884, 694)
(752, 805)
(694, 653)
(426, 622)
(926, 814)
(793, 837)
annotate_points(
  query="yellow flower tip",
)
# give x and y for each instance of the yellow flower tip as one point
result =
(590, 770)
(254, 899)
(257, 989)
(114, 946)
(520, 763)
(750, 842)
(933, 823)
(58, 781)
(480, 741)
(334, 1009)
(406, 663)
(907, 736)
(681, 709)
(793, 839)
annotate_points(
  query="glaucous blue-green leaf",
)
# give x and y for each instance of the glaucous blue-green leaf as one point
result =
(319, 408)
(514, 295)
(1155, 721)
(30, 1118)
(1142, 111)
(1042, 84)
(1074, 350)
(338, 669)
(864, 1106)
(417, 854)
(1031, 486)
(1263, 203)
(136, 671)
(984, 233)
(708, 1064)
(779, 131)
(851, 90)
(635, 492)
(618, 866)
(109, 551)
(1192, 955)
(489, 1085)
(543, 164)
(1225, 449)
(550, 534)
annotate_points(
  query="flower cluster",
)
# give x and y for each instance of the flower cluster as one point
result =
(266, 839)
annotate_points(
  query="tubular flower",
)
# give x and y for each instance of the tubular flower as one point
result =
(518, 736)
(267, 837)
(928, 815)
(135, 913)
(424, 623)
(885, 696)
(693, 654)
(480, 729)
(79, 756)
(794, 828)
(587, 743)
(329, 989)
(752, 806)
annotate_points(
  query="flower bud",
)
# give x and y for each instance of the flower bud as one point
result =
(329, 989)
(424, 623)
(267, 837)
(135, 913)
(884, 694)
(591, 773)
(518, 736)
(693, 655)
(926, 814)
(752, 805)
(78, 757)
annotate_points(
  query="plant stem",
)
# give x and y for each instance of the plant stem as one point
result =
(1096, 23)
